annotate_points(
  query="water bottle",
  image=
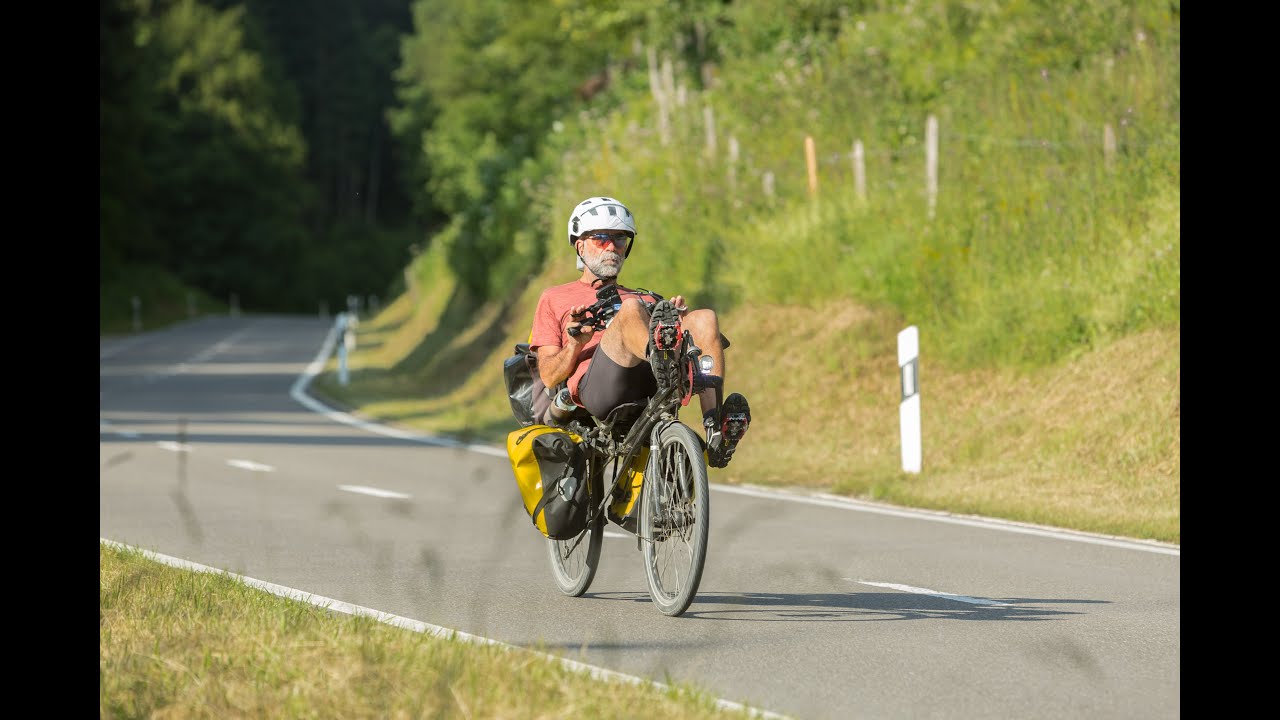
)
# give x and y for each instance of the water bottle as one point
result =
(562, 406)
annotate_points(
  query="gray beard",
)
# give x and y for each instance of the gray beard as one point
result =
(600, 269)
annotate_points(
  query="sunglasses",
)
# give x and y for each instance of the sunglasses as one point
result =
(605, 239)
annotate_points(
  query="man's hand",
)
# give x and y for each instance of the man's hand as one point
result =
(577, 332)
(678, 301)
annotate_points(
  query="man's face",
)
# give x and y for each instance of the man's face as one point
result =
(602, 251)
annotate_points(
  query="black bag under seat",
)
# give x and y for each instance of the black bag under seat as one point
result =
(527, 393)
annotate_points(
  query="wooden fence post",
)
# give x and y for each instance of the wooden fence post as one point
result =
(668, 78)
(733, 164)
(810, 158)
(1109, 144)
(660, 96)
(859, 172)
(709, 121)
(931, 162)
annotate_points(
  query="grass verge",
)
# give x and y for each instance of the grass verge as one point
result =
(178, 643)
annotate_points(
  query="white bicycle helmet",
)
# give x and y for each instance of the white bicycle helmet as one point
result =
(601, 213)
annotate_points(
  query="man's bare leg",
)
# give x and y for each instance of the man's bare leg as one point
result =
(705, 328)
(626, 340)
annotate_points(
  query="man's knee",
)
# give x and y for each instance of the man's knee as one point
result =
(702, 321)
(634, 306)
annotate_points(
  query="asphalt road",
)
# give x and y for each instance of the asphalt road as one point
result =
(810, 606)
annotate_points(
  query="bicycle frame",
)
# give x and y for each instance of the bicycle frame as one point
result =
(661, 410)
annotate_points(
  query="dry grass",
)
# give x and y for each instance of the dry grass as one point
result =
(1091, 444)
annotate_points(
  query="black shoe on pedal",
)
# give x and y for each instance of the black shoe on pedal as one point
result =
(664, 343)
(723, 439)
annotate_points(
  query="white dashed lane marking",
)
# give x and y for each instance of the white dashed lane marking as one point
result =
(250, 465)
(935, 593)
(376, 492)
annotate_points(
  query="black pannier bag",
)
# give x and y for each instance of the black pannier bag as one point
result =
(529, 400)
(565, 496)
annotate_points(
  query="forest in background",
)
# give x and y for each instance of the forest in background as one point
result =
(244, 154)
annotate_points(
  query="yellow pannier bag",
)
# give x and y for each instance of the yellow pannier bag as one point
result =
(550, 469)
(623, 509)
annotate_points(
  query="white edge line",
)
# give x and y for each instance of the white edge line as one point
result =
(843, 503)
(298, 392)
(597, 673)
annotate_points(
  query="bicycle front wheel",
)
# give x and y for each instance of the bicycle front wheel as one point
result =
(675, 516)
(574, 561)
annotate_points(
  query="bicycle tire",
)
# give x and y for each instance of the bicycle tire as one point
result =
(675, 518)
(574, 570)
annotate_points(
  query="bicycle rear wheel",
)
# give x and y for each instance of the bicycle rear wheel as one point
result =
(574, 561)
(675, 516)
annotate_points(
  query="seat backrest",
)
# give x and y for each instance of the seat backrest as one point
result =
(621, 418)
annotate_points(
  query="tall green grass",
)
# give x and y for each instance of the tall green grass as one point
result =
(1041, 244)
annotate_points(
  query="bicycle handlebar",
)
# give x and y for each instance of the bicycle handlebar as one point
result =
(603, 309)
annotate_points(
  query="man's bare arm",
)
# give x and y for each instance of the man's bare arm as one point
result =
(556, 364)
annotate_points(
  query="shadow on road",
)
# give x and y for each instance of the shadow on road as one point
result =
(858, 606)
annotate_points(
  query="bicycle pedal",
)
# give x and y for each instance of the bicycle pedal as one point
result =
(735, 425)
(664, 327)
(666, 337)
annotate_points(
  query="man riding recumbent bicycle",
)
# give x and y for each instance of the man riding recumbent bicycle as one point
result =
(598, 390)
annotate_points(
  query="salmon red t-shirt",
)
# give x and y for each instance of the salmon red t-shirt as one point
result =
(552, 314)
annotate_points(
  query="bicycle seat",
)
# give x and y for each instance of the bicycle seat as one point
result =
(621, 418)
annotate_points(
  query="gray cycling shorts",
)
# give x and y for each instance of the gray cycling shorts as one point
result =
(608, 385)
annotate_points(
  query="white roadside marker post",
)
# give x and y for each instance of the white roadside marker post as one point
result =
(909, 409)
(343, 330)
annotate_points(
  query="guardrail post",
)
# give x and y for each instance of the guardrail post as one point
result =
(343, 375)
